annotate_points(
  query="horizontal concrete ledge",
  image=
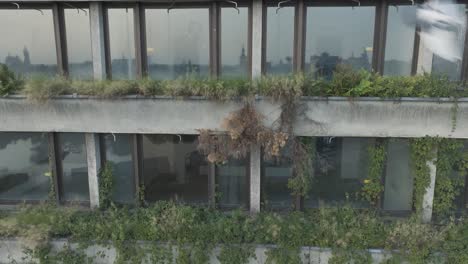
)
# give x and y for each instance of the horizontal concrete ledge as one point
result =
(318, 116)
(12, 250)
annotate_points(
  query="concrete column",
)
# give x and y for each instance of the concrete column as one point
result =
(424, 59)
(428, 198)
(255, 165)
(93, 155)
(257, 26)
(98, 50)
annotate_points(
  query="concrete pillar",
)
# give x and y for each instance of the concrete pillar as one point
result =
(98, 49)
(428, 198)
(424, 59)
(257, 26)
(255, 165)
(93, 155)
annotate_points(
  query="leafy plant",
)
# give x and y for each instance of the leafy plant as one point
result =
(9, 83)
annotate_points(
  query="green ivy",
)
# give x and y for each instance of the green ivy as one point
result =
(106, 185)
(373, 186)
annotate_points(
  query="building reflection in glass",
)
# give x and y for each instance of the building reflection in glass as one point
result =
(234, 42)
(27, 42)
(177, 43)
(122, 43)
(279, 40)
(338, 35)
(79, 44)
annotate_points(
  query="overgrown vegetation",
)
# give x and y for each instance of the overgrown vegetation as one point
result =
(373, 186)
(188, 234)
(345, 82)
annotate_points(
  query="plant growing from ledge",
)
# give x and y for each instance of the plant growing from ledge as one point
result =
(9, 83)
(106, 185)
(373, 187)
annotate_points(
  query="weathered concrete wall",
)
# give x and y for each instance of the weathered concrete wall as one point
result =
(367, 117)
(11, 251)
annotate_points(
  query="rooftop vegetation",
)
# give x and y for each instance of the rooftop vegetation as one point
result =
(345, 82)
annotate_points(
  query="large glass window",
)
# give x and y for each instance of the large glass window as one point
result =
(276, 172)
(340, 166)
(24, 167)
(234, 42)
(74, 181)
(122, 42)
(451, 69)
(400, 40)
(279, 40)
(338, 35)
(398, 193)
(232, 184)
(27, 42)
(177, 42)
(173, 169)
(79, 43)
(119, 155)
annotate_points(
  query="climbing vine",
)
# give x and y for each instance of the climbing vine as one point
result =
(373, 186)
(106, 185)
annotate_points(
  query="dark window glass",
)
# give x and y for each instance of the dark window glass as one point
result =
(276, 173)
(74, 182)
(79, 43)
(24, 166)
(340, 166)
(398, 193)
(232, 184)
(338, 35)
(177, 42)
(400, 40)
(451, 69)
(173, 169)
(27, 42)
(119, 154)
(234, 42)
(279, 40)
(122, 42)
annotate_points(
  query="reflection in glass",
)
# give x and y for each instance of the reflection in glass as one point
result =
(27, 42)
(232, 187)
(276, 172)
(451, 69)
(400, 40)
(119, 154)
(74, 180)
(24, 166)
(398, 193)
(234, 42)
(79, 44)
(331, 41)
(173, 169)
(340, 166)
(122, 44)
(279, 40)
(177, 43)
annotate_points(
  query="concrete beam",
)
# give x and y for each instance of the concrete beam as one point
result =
(257, 37)
(98, 49)
(255, 178)
(428, 198)
(93, 155)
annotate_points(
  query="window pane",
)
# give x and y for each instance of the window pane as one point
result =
(398, 194)
(119, 154)
(234, 42)
(74, 180)
(400, 40)
(27, 42)
(122, 43)
(451, 69)
(280, 40)
(24, 166)
(338, 35)
(276, 173)
(173, 169)
(79, 44)
(232, 184)
(340, 166)
(177, 42)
